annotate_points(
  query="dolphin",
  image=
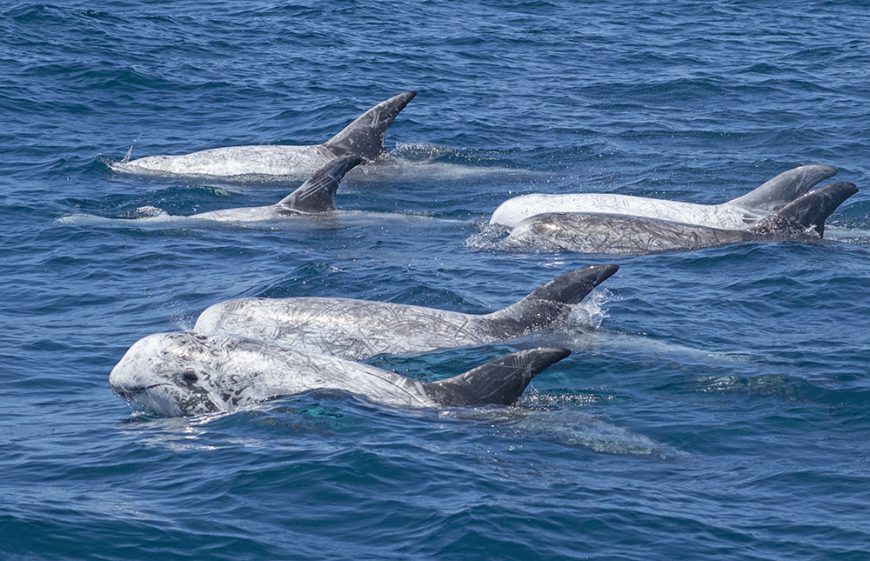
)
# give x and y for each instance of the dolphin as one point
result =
(734, 214)
(315, 196)
(359, 329)
(802, 219)
(364, 138)
(182, 373)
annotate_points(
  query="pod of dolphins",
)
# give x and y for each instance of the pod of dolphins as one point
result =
(246, 351)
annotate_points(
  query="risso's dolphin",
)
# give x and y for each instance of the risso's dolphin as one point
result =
(364, 138)
(734, 214)
(359, 329)
(802, 219)
(315, 196)
(175, 374)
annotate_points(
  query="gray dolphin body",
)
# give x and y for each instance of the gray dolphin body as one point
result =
(802, 219)
(358, 329)
(178, 374)
(742, 212)
(316, 195)
(364, 137)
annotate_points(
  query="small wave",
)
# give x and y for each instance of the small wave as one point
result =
(590, 313)
(840, 233)
(147, 212)
(576, 429)
(488, 237)
(422, 161)
(780, 386)
(641, 345)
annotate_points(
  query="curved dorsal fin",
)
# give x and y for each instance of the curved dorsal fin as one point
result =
(365, 136)
(317, 194)
(551, 301)
(808, 211)
(784, 188)
(499, 382)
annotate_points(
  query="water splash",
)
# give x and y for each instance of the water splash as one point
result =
(147, 212)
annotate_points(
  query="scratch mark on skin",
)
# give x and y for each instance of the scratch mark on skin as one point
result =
(358, 329)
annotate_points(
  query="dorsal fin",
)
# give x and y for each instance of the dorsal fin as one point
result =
(809, 211)
(365, 136)
(317, 194)
(498, 382)
(784, 188)
(551, 301)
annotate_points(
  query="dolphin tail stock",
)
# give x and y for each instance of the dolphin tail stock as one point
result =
(808, 211)
(551, 301)
(365, 136)
(784, 188)
(317, 194)
(498, 382)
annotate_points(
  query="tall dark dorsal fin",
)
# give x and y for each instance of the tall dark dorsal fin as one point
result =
(498, 382)
(784, 188)
(809, 211)
(551, 301)
(318, 193)
(365, 136)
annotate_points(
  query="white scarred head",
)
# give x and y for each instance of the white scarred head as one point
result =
(172, 374)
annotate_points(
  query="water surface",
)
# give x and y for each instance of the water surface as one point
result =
(715, 406)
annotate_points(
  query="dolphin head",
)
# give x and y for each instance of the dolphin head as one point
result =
(170, 374)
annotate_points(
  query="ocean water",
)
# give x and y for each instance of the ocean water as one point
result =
(716, 402)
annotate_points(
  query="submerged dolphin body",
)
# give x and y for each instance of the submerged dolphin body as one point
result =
(364, 138)
(182, 373)
(802, 219)
(734, 214)
(358, 329)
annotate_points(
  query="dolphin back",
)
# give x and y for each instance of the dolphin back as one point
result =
(808, 211)
(365, 136)
(317, 194)
(784, 188)
(498, 382)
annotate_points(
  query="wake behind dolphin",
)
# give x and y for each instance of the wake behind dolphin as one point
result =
(734, 214)
(358, 329)
(178, 374)
(802, 219)
(364, 138)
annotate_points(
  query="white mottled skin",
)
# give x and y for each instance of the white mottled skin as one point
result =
(726, 216)
(742, 212)
(615, 234)
(315, 196)
(802, 219)
(174, 374)
(183, 373)
(246, 214)
(364, 137)
(352, 329)
(359, 329)
(234, 161)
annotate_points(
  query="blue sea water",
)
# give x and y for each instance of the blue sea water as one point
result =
(716, 402)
